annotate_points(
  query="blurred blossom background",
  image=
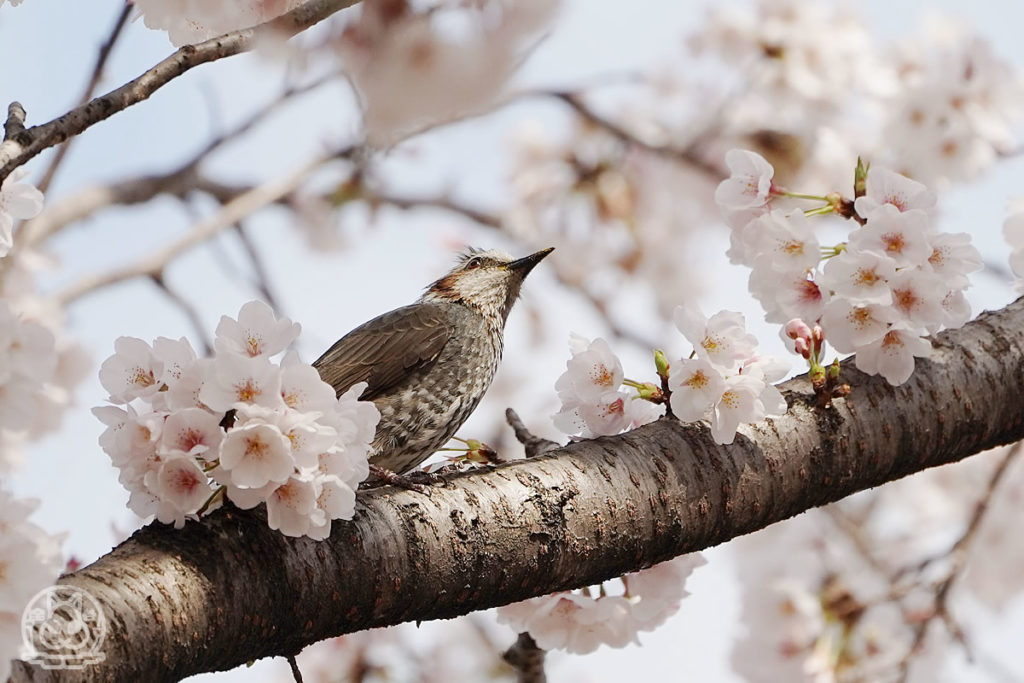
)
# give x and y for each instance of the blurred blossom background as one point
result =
(594, 127)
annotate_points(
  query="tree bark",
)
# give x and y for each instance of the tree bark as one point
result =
(229, 590)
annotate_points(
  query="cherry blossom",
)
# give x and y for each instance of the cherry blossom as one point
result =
(749, 184)
(30, 560)
(19, 200)
(721, 339)
(900, 235)
(579, 623)
(860, 276)
(289, 442)
(852, 326)
(885, 186)
(256, 332)
(696, 386)
(892, 356)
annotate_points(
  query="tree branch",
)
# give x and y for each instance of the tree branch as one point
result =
(228, 590)
(25, 144)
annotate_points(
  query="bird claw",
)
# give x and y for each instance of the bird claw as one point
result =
(386, 476)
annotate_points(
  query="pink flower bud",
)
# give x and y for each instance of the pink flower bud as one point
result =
(798, 329)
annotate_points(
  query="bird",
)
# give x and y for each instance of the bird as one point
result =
(428, 364)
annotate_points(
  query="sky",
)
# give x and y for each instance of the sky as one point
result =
(48, 47)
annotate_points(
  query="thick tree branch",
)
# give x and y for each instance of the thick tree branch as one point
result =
(25, 144)
(228, 590)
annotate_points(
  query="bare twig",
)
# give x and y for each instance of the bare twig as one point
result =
(687, 155)
(176, 182)
(26, 144)
(90, 89)
(535, 445)
(232, 212)
(960, 552)
(527, 659)
(15, 123)
(259, 269)
(296, 674)
(189, 310)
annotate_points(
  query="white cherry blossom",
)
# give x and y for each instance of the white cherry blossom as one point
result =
(256, 332)
(893, 355)
(721, 339)
(256, 454)
(860, 276)
(696, 386)
(885, 186)
(851, 326)
(749, 183)
(19, 200)
(900, 235)
(132, 372)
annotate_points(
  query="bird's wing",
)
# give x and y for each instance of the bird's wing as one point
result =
(384, 350)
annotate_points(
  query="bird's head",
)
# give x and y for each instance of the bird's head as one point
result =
(486, 281)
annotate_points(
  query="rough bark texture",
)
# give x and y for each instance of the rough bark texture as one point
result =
(229, 590)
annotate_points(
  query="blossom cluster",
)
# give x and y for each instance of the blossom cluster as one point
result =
(239, 423)
(193, 21)
(412, 73)
(30, 560)
(594, 402)
(895, 279)
(577, 622)
(726, 381)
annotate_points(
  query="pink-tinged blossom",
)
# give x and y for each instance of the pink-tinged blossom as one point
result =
(287, 443)
(578, 623)
(893, 355)
(885, 186)
(749, 184)
(292, 508)
(256, 454)
(193, 431)
(132, 372)
(592, 371)
(176, 355)
(954, 258)
(721, 339)
(851, 326)
(238, 380)
(785, 243)
(860, 277)
(785, 296)
(593, 403)
(740, 404)
(301, 386)
(900, 235)
(256, 332)
(18, 201)
(917, 297)
(696, 386)
(181, 488)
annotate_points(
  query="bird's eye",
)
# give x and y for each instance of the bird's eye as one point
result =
(474, 263)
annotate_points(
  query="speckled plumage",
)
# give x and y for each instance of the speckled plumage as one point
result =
(427, 365)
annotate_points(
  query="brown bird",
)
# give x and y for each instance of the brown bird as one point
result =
(428, 364)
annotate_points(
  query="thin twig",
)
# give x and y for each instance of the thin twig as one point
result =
(189, 310)
(90, 89)
(960, 552)
(527, 659)
(535, 445)
(259, 269)
(296, 674)
(687, 155)
(232, 212)
(18, 148)
(138, 190)
(15, 123)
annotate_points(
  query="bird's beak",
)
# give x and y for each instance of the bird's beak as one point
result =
(526, 264)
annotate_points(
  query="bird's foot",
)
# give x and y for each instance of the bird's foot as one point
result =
(413, 481)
